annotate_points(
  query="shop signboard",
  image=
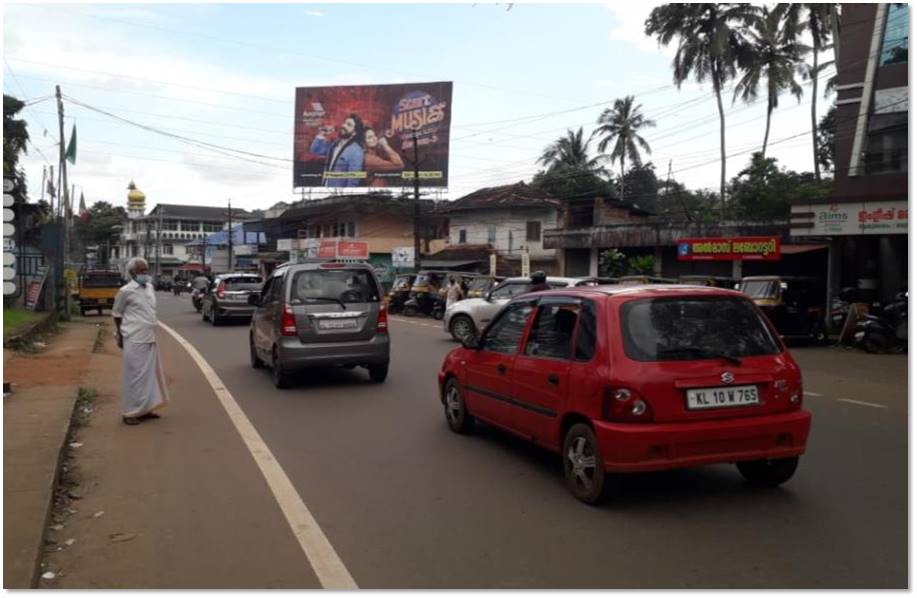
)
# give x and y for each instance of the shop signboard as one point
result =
(860, 218)
(729, 249)
(403, 257)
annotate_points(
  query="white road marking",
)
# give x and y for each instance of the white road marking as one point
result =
(878, 406)
(437, 326)
(326, 563)
(811, 394)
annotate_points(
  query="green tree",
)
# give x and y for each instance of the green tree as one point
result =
(763, 191)
(100, 227)
(619, 127)
(825, 139)
(569, 169)
(819, 21)
(612, 263)
(772, 52)
(708, 47)
(641, 186)
(571, 150)
(15, 138)
(566, 182)
(641, 264)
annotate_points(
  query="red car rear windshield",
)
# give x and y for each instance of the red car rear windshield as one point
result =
(686, 328)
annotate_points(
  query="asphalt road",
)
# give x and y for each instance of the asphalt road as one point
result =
(408, 504)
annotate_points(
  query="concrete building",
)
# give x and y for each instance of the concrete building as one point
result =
(865, 220)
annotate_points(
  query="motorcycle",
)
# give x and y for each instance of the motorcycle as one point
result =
(197, 298)
(431, 304)
(885, 331)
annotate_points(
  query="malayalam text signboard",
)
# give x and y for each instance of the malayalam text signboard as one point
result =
(362, 135)
(860, 218)
(729, 249)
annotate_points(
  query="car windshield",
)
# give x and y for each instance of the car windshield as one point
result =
(101, 280)
(479, 284)
(428, 278)
(343, 286)
(247, 283)
(761, 289)
(684, 328)
(401, 283)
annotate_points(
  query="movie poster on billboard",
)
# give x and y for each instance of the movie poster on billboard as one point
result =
(362, 135)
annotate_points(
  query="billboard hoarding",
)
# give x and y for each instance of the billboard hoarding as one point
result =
(729, 249)
(362, 135)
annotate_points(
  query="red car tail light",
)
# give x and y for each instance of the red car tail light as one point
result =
(287, 320)
(625, 405)
(221, 290)
(382, 322)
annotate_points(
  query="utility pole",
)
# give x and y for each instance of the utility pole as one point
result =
(416, 203)
(229, 265)
(64, 200)
(159, 243)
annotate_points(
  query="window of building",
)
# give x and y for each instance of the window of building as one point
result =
(492, 234)
(213, 227)
(895, 40)
(167, 249)
(191, 227)
(509, 241)
(533, 231)
(351, 229)
(169, 225)
(886, 144)
(463, 236)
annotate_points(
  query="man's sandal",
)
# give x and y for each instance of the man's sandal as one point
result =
(131, 421)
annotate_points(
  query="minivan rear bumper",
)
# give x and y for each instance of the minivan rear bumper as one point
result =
(653, 447)
(294, 354)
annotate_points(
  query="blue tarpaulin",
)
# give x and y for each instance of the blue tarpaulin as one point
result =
(238, 238)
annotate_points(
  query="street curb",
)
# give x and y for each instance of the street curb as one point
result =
(30, 331)
(55, 482)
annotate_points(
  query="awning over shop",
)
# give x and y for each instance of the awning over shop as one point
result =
(801, 248)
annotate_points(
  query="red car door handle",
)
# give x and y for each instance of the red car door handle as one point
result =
(501, 368)
(553, 379)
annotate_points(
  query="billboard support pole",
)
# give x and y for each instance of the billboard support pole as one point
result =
(416, 203)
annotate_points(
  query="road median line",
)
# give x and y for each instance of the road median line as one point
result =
(864, 403)
(328, 567)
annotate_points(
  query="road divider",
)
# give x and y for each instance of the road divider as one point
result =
(319, 552)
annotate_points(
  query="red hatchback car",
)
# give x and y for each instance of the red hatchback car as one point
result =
(625, 379)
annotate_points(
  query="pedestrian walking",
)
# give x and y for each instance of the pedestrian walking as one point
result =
(453, 292)
(143, 388)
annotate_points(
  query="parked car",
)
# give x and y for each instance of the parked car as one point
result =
(227, 297)
(327, 314)
(621, 380)
(470, 316)
(97, 290)
(794, 304)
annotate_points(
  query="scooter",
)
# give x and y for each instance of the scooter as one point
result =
(885, 332)
(431, 304)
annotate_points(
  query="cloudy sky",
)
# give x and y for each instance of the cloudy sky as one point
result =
(225, 74)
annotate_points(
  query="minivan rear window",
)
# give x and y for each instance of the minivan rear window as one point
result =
(685, 328)
(347, 286)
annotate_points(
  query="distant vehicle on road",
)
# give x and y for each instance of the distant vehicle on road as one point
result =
(328, 314)
(400, 292)
(794, 304)
(227, 297)
(619, 380)
(470, 316)
(97, 290)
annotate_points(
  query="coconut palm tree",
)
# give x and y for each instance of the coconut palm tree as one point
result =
(820, 21)
(772, 52)
(619, 127)
(570, 151)
(708, 44)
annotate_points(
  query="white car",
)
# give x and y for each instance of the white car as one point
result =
(471, 316)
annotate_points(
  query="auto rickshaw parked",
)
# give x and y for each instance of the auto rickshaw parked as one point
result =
(792, 303)
(722, 282)
(479, 285)
(400, 292)
(97, 290)
(428, 292)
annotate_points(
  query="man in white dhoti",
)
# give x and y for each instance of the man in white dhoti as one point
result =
(143, 388)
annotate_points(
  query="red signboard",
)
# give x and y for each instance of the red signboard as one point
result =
(729, 249)
(327, 249)
(353, 250)
(362, 135)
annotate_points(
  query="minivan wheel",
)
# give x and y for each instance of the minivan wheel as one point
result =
(461, 327)
(281, 378)
(378, 372)
(457, 416)
(768, 472)
(255, 360)
(583, 465)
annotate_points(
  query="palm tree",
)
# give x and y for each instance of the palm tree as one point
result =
(570, 151)
(820, 21)
(772, 51)
(15, 134)
(619, 126)
(708, 44)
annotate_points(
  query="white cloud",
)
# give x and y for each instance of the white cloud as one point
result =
(628, 27)
(314, 13)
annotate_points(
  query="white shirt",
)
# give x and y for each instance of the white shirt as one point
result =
(136, 306)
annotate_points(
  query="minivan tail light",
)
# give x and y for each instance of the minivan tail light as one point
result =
(382, 322)
(331, 265)
(221, 290)
(625, 405)
(287, 320)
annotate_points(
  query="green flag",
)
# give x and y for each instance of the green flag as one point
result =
(71, 147)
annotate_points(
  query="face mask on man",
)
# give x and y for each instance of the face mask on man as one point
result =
(142, 279)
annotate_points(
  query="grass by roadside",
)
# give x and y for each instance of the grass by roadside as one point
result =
(16, 318)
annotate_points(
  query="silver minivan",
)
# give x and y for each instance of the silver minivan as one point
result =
(310, 315)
